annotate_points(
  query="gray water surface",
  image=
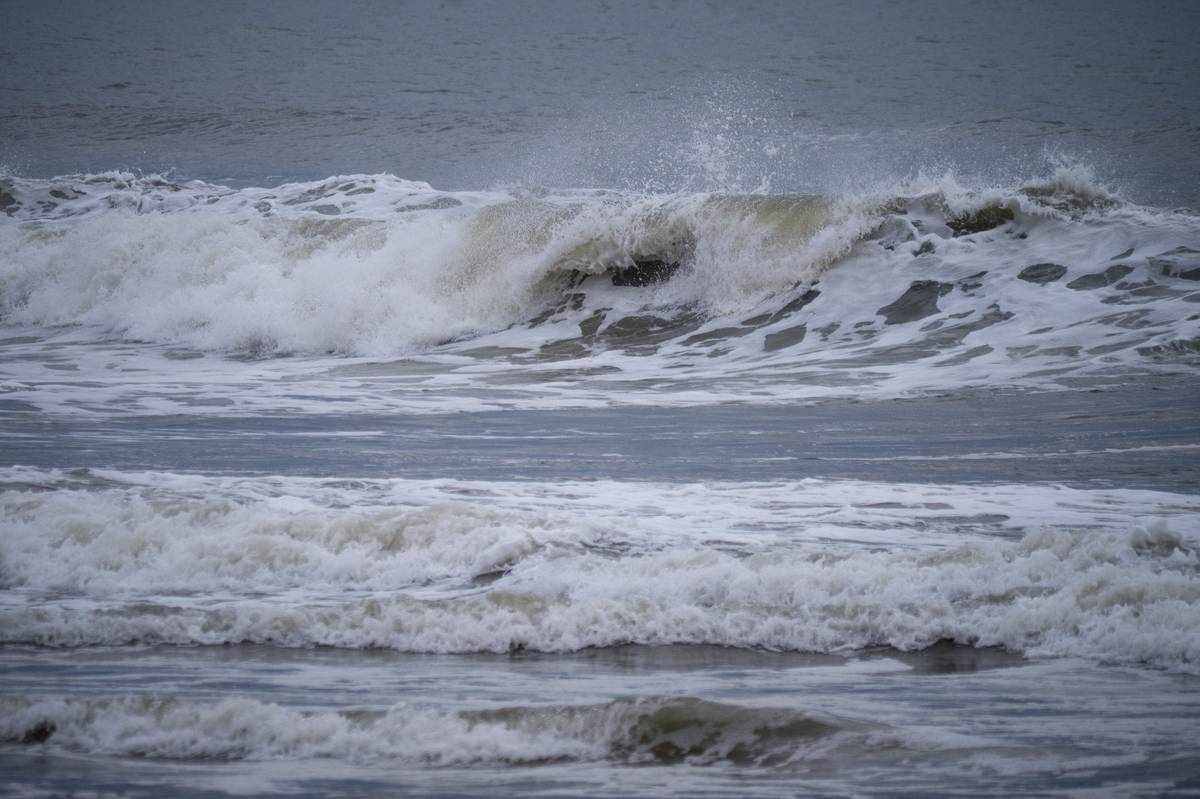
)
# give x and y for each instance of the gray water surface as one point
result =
(1135, 436)
(810, 96)
(665, 96)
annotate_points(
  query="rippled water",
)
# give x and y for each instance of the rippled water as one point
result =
(661, 95)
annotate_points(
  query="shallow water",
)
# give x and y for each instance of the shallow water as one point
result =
(880, 722)
(1144, 435)
(1028, 570)
(756, 400)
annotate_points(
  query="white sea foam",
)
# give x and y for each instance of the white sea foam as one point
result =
(644, 731)
(1111, 598)
(780, 566)
(226, 276)
(248, 729)
(439, 285)
(101, 544)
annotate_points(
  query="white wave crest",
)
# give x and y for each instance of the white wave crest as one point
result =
(641, 731)
(248, 729)
(923, 285)
(109, 543)
(316, 268)
(1116, 597)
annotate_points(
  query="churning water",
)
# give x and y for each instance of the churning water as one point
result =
(752, 399)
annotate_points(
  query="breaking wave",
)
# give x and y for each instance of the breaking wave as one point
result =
(317, 268)
(634, 732)
(379, 265)
(107, 567)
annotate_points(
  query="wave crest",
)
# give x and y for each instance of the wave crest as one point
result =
(634, 732)
(1050, 278)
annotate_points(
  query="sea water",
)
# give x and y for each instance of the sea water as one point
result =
(748, 399)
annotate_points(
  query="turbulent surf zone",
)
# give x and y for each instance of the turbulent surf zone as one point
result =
(566, 298)
(493, 489)
(110, 560)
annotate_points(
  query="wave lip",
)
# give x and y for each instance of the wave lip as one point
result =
(919, 286)
(210, 269)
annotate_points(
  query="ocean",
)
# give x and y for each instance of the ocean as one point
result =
(599, 399)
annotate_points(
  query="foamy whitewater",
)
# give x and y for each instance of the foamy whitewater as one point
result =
(258, 363)
(440, 301)
(413, 567)
(639, 400)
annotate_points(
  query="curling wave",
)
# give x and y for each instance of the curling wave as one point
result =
(921, 285)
